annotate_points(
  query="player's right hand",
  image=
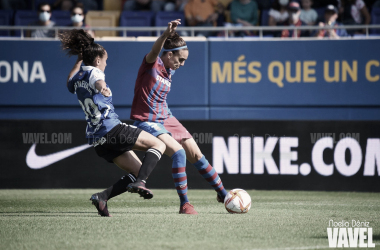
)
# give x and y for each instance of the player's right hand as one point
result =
(172, 26)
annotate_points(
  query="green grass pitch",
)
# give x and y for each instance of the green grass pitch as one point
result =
(65, 219)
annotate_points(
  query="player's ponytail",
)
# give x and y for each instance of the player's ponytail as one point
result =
(80, 42)
(174, 41)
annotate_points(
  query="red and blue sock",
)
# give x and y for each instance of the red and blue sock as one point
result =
(209, 173)
(179, 174)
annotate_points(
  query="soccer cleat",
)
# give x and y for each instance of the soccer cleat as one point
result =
(101, 205)
(139, 187)
(187, 208)
(219, 198)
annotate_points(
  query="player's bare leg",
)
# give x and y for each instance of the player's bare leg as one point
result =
(195, 156)
(178, 155)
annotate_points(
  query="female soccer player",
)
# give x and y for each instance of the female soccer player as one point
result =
(111, 139)
(151, 113)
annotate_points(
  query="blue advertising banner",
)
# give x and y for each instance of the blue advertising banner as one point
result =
(35, 73)
(296, 73)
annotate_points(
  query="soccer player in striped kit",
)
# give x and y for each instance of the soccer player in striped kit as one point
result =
(111, 139)
(151, 113)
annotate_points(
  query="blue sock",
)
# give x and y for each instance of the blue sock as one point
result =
(179, 174)
(209, 173)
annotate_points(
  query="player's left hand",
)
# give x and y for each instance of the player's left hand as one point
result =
(172, 26)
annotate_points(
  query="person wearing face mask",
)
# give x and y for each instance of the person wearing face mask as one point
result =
(331, 15)
(77, 18)
(294, 10)
(44, 15)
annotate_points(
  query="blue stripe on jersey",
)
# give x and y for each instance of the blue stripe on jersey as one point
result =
(150, 97)
(158, 97)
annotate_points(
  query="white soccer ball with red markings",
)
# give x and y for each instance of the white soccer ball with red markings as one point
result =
(237, 201)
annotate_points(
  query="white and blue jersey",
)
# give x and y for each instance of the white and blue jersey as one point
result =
(98, 109)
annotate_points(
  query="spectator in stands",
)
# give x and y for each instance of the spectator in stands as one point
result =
(244, 13)
(152, 5)
(13, 4)
(201, 13)
(308, 15)
(44, 15)
(175, 5)
(294, 10)
(89, 4)
(64, 4)
(354, 12)
(278, 14)
(324, 3)
(77, 18)
(331, 15)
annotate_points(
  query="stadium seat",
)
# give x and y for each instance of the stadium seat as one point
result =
(164, 17)
(264, 18)
(321, 14)
(103, 19)
(375, 17)
(6, 20)
(136, 19)
(24, 18)
(61, 17)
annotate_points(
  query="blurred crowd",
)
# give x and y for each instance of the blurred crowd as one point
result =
(238, 13)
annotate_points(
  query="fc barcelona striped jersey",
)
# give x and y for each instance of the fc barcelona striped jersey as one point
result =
(151, 89)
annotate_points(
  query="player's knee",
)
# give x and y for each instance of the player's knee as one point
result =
(160, 146)
(180, 155)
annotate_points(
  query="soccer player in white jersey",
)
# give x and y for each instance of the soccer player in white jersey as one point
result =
(111, 139)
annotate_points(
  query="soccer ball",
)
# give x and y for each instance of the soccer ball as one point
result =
(237, 201)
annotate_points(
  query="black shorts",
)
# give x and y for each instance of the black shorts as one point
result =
(118, 140)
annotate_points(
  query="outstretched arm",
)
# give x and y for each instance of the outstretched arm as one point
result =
(157, 46)
(76, 68)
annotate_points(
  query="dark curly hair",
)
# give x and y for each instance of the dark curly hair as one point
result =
(80, 42)
(174, 41)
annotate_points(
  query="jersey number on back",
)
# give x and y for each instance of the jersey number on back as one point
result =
(91, 110)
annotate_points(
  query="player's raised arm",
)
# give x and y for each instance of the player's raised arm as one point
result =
(157, 46)
(76, 68)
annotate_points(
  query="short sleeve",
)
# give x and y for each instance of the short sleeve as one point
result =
(70, 86)
(359, 4)
(274, 13)
(96, 75)
(314, 15)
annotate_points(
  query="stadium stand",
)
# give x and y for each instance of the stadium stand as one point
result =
(61, 17)
(6, 17)
(163, 18)
(103, 19)
(37, 2)
(24, 18)
(136, 19)
(375, 17)
(321, 13)
(264, 18)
